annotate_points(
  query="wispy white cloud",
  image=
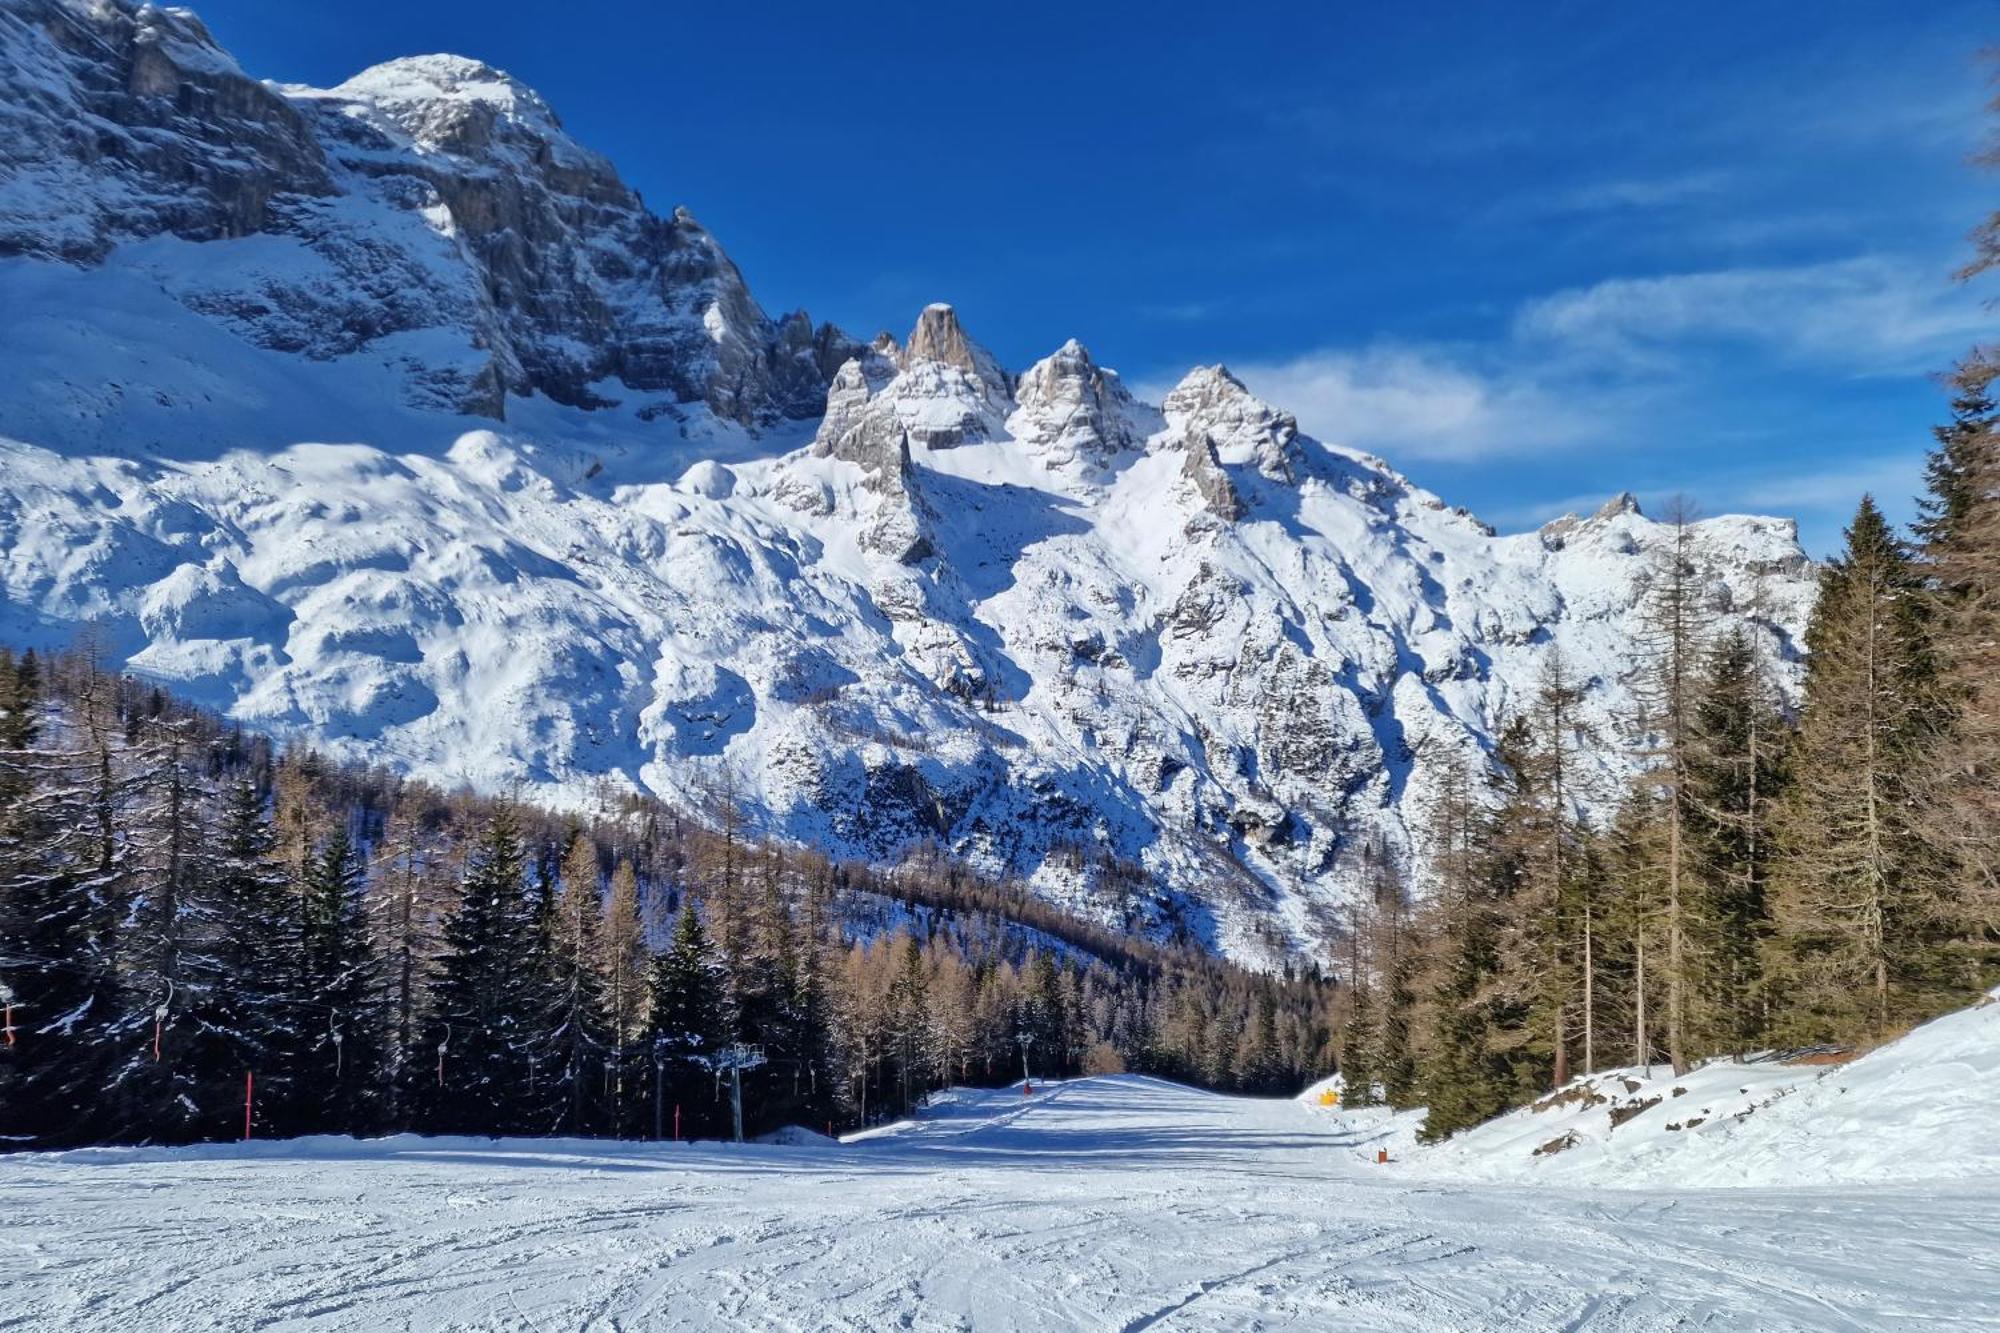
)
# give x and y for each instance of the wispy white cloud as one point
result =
(1591, 365)
(1892, 479)
(1179, 312)
(1871, 314)
(1635, 194)
(1607, 367)
(1421, 402)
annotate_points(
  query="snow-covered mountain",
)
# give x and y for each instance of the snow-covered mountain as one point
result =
(387, 416)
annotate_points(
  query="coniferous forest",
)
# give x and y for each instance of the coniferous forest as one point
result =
(1779, 876)
(194, 926)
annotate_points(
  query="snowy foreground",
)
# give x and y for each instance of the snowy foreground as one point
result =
(1108, 1203)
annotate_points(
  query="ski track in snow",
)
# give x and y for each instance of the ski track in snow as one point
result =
(1110, 1203)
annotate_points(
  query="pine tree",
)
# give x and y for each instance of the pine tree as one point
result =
(1959, 552)
(485, 1022)
(571, 1051)
(342, 1056)
(684, 1024)
(1856, 886)
(623, 968)
(254, 1008)
(57, 981)
(1734, 778)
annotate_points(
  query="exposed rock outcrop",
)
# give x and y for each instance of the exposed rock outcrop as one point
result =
(432, 195)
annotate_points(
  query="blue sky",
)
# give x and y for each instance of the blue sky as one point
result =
(1532, 254)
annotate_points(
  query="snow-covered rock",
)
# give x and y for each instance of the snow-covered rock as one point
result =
(386, 417)
(430, 208)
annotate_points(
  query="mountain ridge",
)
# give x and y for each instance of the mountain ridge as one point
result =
(473, 466)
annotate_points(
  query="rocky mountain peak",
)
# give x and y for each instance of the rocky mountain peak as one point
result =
(1622, 503)
(1072, 409)
(466, 215)
(939, 337)
(1212, 404)
(466, 108)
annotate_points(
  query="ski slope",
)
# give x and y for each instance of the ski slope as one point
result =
(1118, 1203)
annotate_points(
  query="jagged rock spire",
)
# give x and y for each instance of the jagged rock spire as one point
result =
(1071, 408)
(939, 337)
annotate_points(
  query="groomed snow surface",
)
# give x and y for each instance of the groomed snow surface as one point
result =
(1118, 1203)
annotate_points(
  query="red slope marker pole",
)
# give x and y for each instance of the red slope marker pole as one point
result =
(677, 1122)
(249, 1092)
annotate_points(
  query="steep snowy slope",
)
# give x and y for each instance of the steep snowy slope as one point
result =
(386, 417)
(1918, 1108)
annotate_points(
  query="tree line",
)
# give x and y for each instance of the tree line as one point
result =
(195, 926)
(1777, 876)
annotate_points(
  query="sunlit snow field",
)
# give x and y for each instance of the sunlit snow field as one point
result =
(1116, 1203)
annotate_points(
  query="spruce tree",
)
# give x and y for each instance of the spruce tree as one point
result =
(1856, 887)
(1359, 1040)
(342, 1057)
(1734, 778)
(1959, 553)
(1466, 1080)
(256, 1008)
(684, 1025)
(1396, 1057)
(1465, 1076)
(484, 1019)
(910, 1021)
(57, 981)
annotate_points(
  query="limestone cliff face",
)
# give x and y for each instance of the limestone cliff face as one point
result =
(122, 121)
(431, 196)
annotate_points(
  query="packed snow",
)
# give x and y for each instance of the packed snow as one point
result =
(1103, 1203)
